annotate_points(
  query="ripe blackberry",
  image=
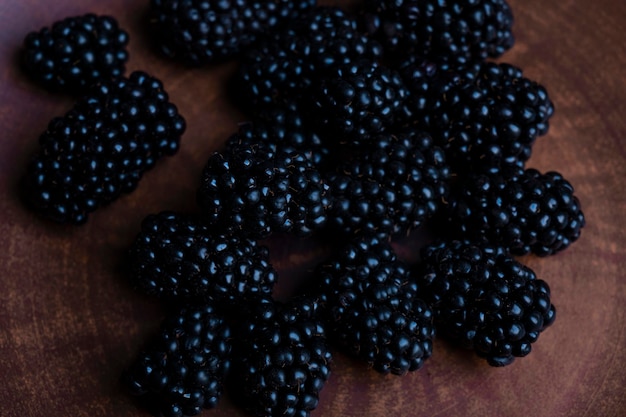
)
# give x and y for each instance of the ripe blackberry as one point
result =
(182, 370)
(282, 359)
(199, 31)
(287, 126)
(256, 190)
(485, 300)
(428, 82)
(203, 31)
(531, 212)
(373, 310)
(450, 31)
(76, 52)
(285, 65)
(177, 258)
(393, 187)
(101, 148)
(360, 100)
(496, 117)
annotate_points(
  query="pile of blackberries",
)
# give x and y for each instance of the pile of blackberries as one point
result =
(363, 126)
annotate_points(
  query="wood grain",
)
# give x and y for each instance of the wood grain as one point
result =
(69, 323)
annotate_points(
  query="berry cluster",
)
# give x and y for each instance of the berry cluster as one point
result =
(116, 131)
(366, 126)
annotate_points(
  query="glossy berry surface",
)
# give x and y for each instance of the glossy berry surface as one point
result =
(283, 360)
(485, 300)
(360, 100)
(394, 186)
(177, 258)
(287, 126)
(181, 370)
(101, 148)
(207, 31)
(290, 61)
(76, 52)
(531, 212)
(490, 121)
(372, 308)
(450, 31)
(257, 190)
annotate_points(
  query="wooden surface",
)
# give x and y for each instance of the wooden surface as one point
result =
(69, 323)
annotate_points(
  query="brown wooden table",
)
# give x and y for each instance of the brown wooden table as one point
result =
(69, 323)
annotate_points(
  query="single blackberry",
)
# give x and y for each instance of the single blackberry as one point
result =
(203, 31)
(287, 126)
(360, 100)
(177, 258)
(373, 311)
(531, 212)
(392, 187)
(484, 299)
(76, 52)
(491, 121)
(101, 148)
(256, 190)
(282, 359)
(285, 65)
(443, 31)
(182, 370)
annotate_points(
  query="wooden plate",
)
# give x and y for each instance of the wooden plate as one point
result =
(69, 323)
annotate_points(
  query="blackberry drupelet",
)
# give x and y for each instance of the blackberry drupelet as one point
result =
(182, 370)
(392, 187)
(531, 212)
(177, 258)
(360, 100)
(372, 309)
(282, 359)
(496, 118)
(204, 31)
(284, 66)
(75, 53)
(258, 189)
(485, 300)
(101, 148)
(287, 126)
(453, 31)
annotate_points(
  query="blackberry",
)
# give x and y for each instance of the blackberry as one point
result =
(177, 258)
(393, 187)
(199, 31)
(485, 300)
(288, 63)
(372, 308)
(287, 126)
(428, 82)
(257, 190)
(182, 370)
(451, 31)
(283, 360)
(360, 100)
(75, 53)
(496, 117)
(531, 212)
(204, 31)
(101, 148)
